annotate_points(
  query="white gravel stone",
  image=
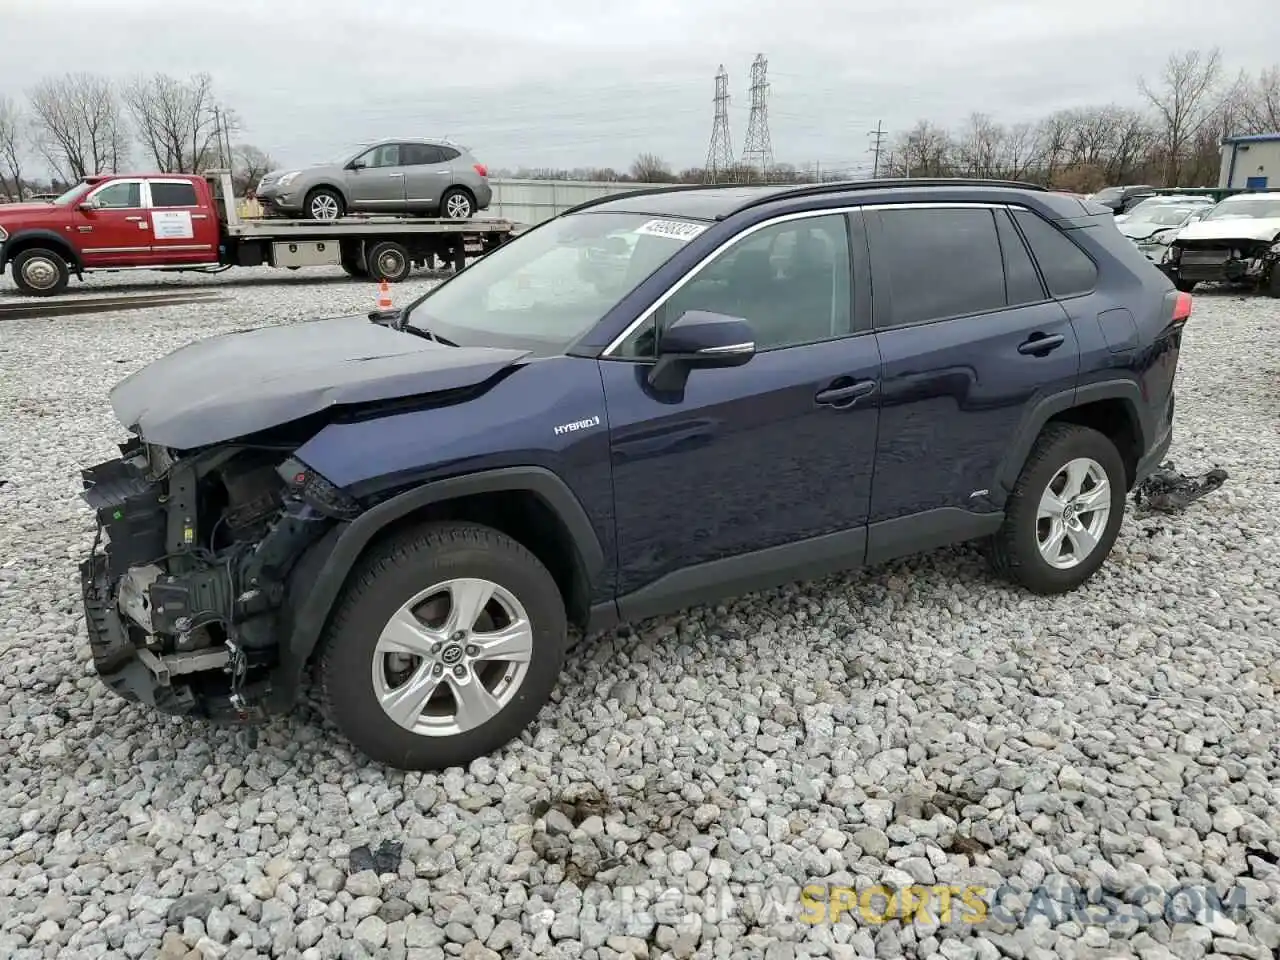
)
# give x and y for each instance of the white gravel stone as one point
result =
(917, 722)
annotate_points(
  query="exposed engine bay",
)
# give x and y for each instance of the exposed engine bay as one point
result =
(189, 569)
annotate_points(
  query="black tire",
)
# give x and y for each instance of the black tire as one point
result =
(326, 197)
(40, 272)
(388, 578)
(457, 204)
(1015, 550)
(1185, 286)
(1273, 282)
(388, 260)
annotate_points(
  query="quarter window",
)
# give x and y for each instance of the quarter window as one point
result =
(121, 195)
(939, 263)
(789, 281)
(1067, 270)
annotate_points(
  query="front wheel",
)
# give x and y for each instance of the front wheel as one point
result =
(40, 273)
(324, 204)
(444, 647)
(1064, 513)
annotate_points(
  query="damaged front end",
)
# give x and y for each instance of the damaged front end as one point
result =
(185, 585)
(1225, 260)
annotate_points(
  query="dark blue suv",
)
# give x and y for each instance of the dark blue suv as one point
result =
(653, 400)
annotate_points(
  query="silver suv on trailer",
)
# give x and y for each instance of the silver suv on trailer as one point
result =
(395, 176)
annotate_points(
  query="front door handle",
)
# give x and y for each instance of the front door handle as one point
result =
(846, 395)
(1039, 345)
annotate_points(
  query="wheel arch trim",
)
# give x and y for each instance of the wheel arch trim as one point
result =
(17, 242)
(342, 549)
(1034, 420)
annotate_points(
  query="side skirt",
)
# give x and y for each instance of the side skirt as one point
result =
(804, 560)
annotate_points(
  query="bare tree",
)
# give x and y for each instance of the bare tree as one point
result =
(1184, 97)
(12, 147)
(251, 164)
(179, 122)
(650, 168)
(925, 151)
(78, 124)
(1259, 103)
(1023, 151)
(980, 145)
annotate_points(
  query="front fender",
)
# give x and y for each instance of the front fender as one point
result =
(38, 236)
(319, 579)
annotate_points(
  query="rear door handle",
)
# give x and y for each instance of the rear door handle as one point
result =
(1041, 345)
(842, 396)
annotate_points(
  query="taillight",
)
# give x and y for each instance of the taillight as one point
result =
(1182, 307)
(481, 169)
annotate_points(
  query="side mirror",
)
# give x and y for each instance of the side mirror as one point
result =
(356, 165)
(699, 338)
(89, 205)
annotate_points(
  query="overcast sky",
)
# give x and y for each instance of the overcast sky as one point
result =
(571, 83)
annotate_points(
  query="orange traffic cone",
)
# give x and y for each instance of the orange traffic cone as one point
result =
(384, 296)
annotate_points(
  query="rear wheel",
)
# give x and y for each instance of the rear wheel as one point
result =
(444, 647)
(1273, 282)
(40, 272)
(388, 261)
(1064, 513)
(1185, 286)
(456, 204)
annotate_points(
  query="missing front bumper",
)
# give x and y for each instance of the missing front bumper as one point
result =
(168, 683)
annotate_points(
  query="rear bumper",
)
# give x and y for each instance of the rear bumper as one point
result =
(1151, 461)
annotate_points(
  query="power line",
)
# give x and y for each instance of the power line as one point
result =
(757, 150)
(720, 151)
(877, 144)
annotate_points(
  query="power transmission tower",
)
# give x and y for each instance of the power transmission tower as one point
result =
(877, 144)
(757, 150)
(720, 152)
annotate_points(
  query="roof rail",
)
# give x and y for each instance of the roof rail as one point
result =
(661, 188)
(842, 186)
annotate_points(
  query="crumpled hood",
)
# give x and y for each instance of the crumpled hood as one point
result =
(236, 384)
(1234, 228)
(1142, 229)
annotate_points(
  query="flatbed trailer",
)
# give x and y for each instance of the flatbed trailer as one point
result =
(365, 246)
(177, 222)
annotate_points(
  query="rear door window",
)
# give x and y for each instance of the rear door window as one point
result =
(938, 262)
(173, 194)
(1022, 285)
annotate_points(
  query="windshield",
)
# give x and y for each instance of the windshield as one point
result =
(1162, 214)
(542, 291)
(79, 190)
(1251, 207)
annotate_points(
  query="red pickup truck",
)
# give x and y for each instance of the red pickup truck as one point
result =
(181, 222)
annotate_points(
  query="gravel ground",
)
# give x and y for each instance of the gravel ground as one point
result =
(918, 725)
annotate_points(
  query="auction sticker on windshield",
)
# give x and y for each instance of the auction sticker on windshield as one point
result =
(681, 230)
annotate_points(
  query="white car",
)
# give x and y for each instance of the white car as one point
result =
(1154, 222)
(1237, 241)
